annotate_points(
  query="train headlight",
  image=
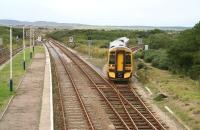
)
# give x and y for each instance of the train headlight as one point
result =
(111, 65)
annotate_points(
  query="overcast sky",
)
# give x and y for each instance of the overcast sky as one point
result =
(104, 12)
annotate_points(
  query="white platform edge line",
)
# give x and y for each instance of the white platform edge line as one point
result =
(50, 80)
(51, 96)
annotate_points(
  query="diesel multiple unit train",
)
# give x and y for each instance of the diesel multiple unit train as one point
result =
(120, 60)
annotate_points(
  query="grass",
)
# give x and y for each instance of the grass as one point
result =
(94, 51)
(18, 72)
(183, 94)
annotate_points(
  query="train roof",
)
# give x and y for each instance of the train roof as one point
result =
(120, 48)
(120, 42)
(123, 39)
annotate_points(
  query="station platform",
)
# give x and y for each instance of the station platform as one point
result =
(31, 107)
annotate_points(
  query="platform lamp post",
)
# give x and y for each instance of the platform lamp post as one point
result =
(33, 40)
(30, 43)
(89, 45)
(11, 81)
(24, 52)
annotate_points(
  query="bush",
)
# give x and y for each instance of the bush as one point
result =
(155, 61)
(158, 58)
(195, 72)
(161, 62)
(139, 54)
(159, 40)
(150, 55)
(164, 63)
(140, 66)
(184, 54)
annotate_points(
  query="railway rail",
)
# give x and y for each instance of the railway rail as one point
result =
(124, 107)
(74, 112)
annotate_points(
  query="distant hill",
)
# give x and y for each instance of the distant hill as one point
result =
(48, 24)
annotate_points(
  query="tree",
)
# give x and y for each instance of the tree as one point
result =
(159, 40)
(185, 53)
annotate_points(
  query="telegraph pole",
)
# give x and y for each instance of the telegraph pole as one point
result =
(30, 44)
(11, 81)
(24, 53)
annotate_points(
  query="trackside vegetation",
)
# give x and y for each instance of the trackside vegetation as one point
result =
(179, 54)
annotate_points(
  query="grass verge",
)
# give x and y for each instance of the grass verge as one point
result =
(183, 94)
(18, 72)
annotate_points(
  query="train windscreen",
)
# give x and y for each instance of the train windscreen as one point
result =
(112, 58)
(128, 58)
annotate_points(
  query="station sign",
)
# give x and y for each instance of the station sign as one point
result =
(71, 39)
(146, 47)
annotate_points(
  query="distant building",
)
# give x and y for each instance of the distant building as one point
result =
(39, 39)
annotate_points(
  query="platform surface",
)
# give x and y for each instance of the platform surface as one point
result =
(25, 110)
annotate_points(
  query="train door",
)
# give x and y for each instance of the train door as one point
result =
(120, 61)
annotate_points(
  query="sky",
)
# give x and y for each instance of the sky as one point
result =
(105, 12)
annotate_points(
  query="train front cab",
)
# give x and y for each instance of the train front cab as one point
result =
(120, 65)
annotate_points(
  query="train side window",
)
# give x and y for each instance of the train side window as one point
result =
(112, 59)
(128, 59)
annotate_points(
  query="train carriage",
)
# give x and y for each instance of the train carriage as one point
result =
(120, 60)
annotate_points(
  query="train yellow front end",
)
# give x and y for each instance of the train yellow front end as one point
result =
(120, 64)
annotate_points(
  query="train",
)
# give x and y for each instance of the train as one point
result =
(120, 60)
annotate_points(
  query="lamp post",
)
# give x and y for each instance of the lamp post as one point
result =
(24, 53)
(11, 81)
(30, 43)
(33, 40)
(89, 45)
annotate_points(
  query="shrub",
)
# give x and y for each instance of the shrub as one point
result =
(159, 40)
(161, 62)
(195, 72)
(140, 66)
(139, 54)
(164, 63)
(155, 61)
(150, 55)
(158, 58)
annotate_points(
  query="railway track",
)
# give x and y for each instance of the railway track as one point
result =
(74, 114)
(124, 108)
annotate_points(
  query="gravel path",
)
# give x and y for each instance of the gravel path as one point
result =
(23, 112)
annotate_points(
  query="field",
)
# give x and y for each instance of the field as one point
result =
(18, 72)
